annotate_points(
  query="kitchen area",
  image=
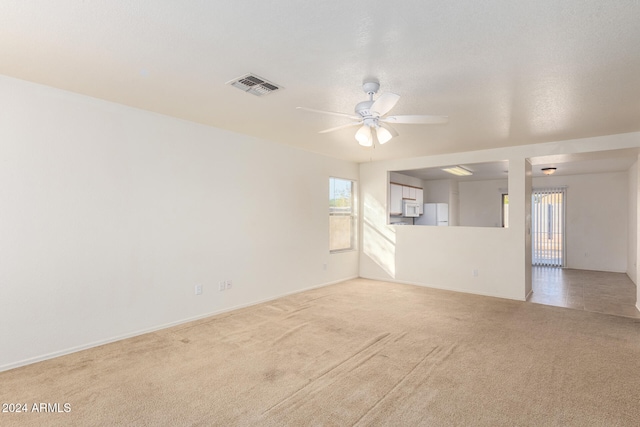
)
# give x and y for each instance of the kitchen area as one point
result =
(410, 204)
(470, 195)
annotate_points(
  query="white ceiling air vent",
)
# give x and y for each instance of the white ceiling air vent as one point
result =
(254, 85)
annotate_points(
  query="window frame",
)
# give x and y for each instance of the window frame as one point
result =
(504, 209)
(352, 214)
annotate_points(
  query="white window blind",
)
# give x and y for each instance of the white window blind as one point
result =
(548, 206)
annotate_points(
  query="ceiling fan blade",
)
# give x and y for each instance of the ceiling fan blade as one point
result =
(331, 113)
(385, 103)
(416, 119)
(341, 127)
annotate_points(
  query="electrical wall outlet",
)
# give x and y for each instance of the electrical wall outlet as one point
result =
(222, 286)
(198, 289)
(229, 284)
(475, 272)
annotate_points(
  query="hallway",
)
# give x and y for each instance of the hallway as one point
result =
(597, 291)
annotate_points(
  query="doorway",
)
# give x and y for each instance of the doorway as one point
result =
(548, 207)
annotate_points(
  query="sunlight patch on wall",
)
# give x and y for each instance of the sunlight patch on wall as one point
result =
(378, 239)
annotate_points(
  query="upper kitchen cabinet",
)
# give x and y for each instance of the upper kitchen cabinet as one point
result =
(395, 199)
(408, 193)
(420, 199)
(403, 187)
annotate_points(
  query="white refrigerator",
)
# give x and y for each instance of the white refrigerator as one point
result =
(434, 214)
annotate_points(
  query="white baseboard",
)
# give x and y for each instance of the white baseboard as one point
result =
(75, 349)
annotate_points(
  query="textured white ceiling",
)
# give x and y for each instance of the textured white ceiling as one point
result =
(506, 72)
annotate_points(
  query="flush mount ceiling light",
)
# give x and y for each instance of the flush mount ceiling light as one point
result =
(371, 117)
(458, 171)
(548, 171)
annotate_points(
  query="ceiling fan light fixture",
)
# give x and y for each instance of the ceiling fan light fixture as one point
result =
(364, 136)
(458, 171)
(548, 171)
(372, 115)
(383, 135)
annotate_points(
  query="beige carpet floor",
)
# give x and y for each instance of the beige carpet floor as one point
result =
(360, 353)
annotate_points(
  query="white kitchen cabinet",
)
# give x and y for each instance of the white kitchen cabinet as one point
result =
(408, 193)
(395, 199)
(399, 192)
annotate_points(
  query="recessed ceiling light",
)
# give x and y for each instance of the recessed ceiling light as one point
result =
(458, 171)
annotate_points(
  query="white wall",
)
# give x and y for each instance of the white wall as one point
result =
(634, 176)
(481, 202)
(445, 257)
(442, 257)
(597, 232)
(596, 219)
(632, 242)
(437, 191)
(110, 216)
(399, 178)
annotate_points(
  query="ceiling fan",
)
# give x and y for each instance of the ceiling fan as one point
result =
(371, 115)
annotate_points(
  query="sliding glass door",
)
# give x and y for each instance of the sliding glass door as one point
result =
(548, 226)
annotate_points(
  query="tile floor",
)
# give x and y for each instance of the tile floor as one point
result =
(598, 291)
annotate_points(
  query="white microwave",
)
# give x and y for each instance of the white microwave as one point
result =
(410, 208)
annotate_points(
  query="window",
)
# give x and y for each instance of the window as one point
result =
(505, 210)
(342, 215)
